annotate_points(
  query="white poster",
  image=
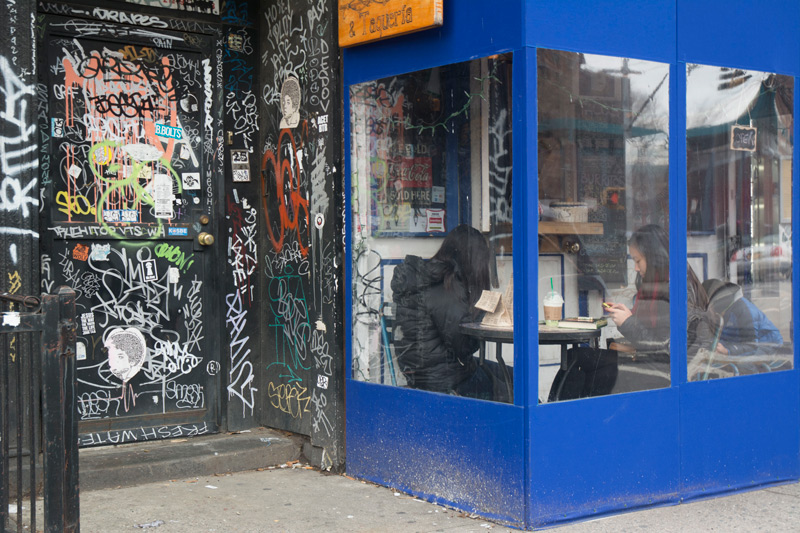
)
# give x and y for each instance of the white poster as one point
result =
(162, 196)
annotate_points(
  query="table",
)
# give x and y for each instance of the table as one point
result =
(498, 335)
(547, 335)
(565, 336)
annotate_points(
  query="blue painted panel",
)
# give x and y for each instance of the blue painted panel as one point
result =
(739, 432)
(472, 28)
(447, 449)
(796, 233)
(678, 244)
(525, 196)
(627, 28)
(741, 33)
(601, 455)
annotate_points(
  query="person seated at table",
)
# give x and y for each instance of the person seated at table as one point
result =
(746, 330)
(645, 328)
(433, 297)
(749, 341)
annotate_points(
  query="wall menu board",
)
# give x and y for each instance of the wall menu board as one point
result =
(601, 181)
(603, 258)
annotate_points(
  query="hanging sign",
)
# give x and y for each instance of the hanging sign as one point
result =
(743, 138)
(363, 22)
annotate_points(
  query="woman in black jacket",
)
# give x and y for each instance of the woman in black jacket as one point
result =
(646, 327)
(433, 298)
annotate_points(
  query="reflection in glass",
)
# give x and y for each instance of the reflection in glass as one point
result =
(603, 148)
(431, 228)
(739, 167)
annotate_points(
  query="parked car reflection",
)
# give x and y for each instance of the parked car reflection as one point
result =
(769, 258)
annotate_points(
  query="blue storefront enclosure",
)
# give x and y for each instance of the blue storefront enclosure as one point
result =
(534, 461)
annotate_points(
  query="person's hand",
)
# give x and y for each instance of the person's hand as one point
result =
(619, 313)
(721, 349)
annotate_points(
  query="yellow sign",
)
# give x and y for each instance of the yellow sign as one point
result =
(364, 21)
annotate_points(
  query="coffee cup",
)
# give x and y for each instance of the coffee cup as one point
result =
(553, 304)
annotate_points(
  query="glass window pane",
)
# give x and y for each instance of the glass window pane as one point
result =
(431, 219)
(739, 188)
(603, 143)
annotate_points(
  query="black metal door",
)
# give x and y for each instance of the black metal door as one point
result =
(131, 127)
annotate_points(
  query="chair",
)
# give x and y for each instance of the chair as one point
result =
(387, 328)
(708, 364)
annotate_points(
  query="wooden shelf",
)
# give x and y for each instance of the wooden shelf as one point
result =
(570, 228)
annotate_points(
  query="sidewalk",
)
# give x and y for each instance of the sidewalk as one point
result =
(172, 486)
(295, 499)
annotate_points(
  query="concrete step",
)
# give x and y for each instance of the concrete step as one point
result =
(128, 465)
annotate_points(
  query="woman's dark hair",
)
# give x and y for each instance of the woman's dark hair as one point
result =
(653, 243)
(291, 88)
(466, 254)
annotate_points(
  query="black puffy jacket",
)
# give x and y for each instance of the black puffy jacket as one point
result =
(431, 352)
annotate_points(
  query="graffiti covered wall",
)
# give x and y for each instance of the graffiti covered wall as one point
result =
(19, 200)
(152, 128)
(300, 176)
(131, 132)
(200, 6)
(244, 365)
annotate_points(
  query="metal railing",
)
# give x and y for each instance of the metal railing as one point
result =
(38, 425)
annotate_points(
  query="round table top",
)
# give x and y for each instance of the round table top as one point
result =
(550, 334)
(490, 333)
(547, 334)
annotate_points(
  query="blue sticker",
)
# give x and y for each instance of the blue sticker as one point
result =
(176, 232)
(173, 132)
(56, 127)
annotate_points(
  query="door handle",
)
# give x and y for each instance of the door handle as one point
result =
(205, 239)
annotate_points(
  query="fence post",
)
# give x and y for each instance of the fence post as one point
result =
(59, 421)
(66, 298)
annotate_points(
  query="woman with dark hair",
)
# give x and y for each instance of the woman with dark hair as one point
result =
(646, 328)
(433, 298)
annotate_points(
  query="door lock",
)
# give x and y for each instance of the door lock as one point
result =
(205, 239)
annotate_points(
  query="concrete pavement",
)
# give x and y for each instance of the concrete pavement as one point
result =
(187, 486)
(294, 499)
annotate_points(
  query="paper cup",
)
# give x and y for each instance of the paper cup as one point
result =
(552, 314)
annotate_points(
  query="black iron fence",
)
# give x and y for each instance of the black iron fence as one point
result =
(38, 426)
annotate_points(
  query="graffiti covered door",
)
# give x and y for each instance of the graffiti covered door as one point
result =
(129, 176)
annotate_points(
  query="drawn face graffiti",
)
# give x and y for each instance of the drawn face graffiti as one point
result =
(290, 103)
(288, 106)
(126, 352)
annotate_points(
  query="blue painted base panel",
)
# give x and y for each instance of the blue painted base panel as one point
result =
(739, 432)
(605, 455)
(464, 453)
